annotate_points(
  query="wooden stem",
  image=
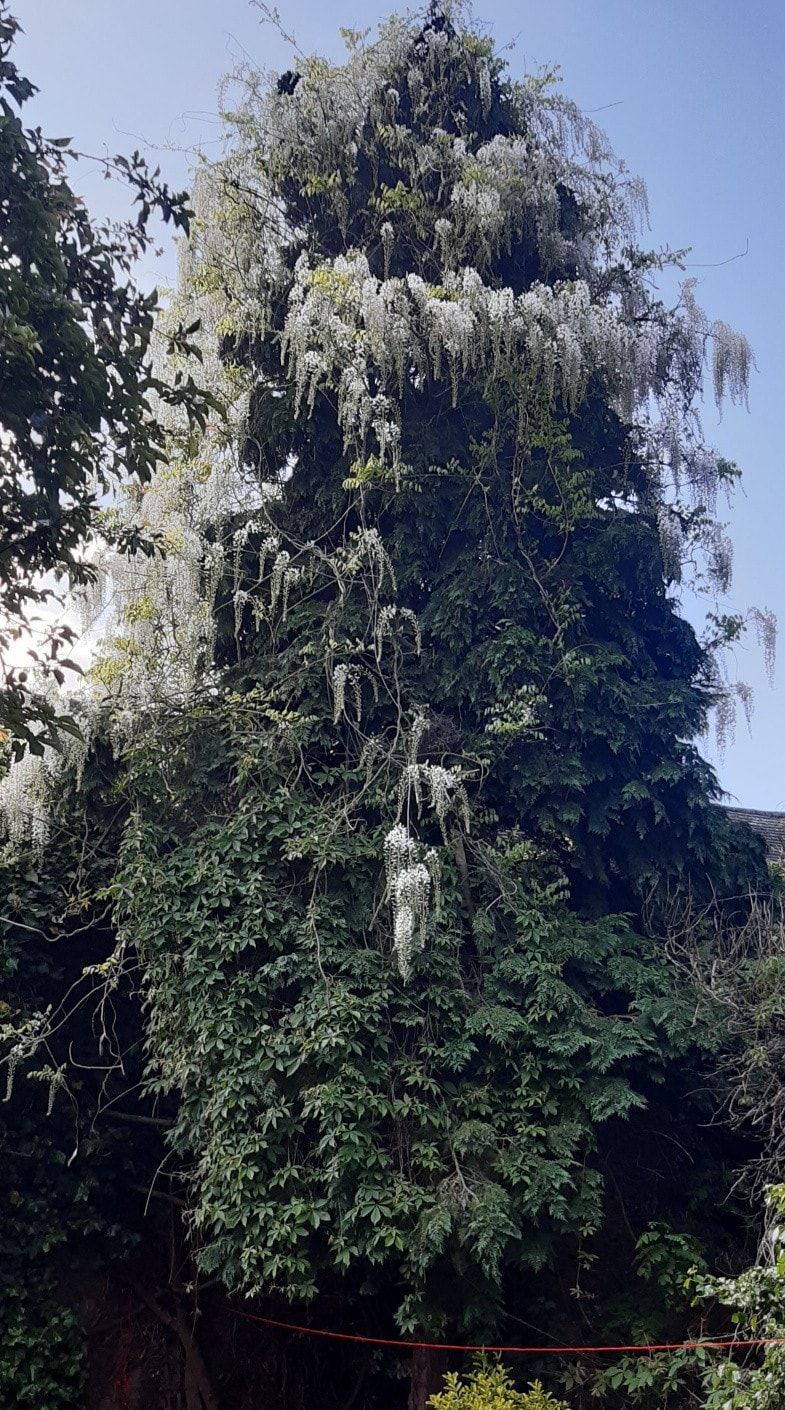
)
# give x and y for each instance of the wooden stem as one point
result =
(428, 1366)
(198, 1391)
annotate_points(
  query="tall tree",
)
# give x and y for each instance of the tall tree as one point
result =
(402, 833)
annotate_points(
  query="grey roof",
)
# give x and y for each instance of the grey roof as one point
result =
(769, 826)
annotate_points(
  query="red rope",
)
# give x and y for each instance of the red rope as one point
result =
(722, 1345)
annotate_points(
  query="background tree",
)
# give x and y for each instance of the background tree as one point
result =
(75, 389)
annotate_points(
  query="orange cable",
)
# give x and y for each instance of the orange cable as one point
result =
(726, 1344)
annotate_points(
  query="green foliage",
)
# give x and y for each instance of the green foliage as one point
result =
(664, 1380)
(75, 385)
(63, 1186)
(489, 1386)
(395, 875)
(666, 1258)
(475, 616)
(41, 1352)
(756, 1380)
(41, 1346)
(398, 1133)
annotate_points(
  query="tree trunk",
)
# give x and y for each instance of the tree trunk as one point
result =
(196, 1382)
(428, 1367)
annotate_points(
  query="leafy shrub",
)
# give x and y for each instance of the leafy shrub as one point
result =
(489, 1386)
(41, 1354)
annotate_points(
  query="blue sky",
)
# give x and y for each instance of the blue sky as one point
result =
(691, 95)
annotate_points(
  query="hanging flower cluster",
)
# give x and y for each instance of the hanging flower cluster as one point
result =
(412, 878)
(414, 873)
(156, 611)
(493, 190)
(30, 784)
(366, 336)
